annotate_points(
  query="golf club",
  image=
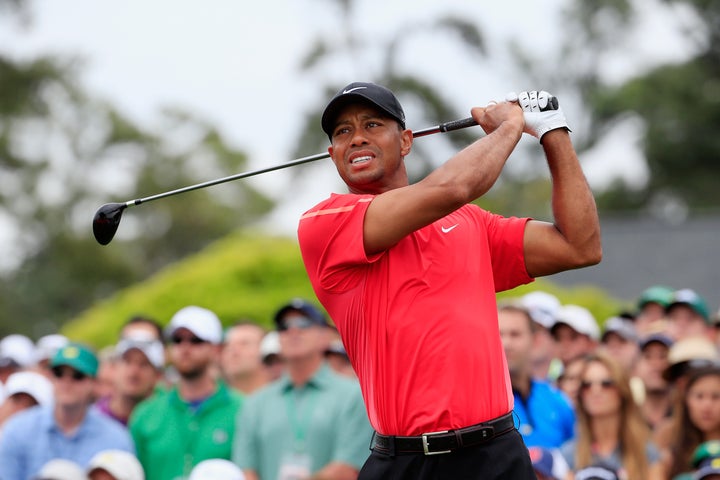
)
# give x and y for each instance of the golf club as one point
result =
(107, 218)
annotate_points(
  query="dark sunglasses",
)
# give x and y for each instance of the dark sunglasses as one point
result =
(177, 340)
(604, 384)
(59, 372)
(295, 322)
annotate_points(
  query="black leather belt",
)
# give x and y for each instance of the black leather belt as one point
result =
(434, 443)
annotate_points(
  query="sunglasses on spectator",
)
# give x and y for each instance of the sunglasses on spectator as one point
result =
(301, 323)
(177, 340)
(604, 384)
(59, 372)
(568, 378)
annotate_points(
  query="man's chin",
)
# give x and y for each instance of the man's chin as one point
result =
(191, 373)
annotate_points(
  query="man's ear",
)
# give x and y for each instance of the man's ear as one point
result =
(407, 141)
(535, 338)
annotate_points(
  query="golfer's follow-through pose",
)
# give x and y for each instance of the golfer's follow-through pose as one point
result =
(409, 273)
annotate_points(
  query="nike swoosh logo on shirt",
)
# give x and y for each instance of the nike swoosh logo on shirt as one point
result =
(448, 229)
(349, 90)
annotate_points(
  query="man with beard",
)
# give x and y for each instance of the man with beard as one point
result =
(194, 420)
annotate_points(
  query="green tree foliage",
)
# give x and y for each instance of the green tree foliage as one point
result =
(243, 275)
(679, 104)
(62, 155)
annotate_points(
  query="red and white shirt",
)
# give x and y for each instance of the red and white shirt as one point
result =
(419, 321)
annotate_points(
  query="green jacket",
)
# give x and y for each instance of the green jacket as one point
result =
(171, 436)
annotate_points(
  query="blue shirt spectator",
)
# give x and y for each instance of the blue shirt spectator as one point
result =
(32, 438)
(68, 429)
(545, 418)
(543, 414)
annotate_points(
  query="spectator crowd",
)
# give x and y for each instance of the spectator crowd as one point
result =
(632, 397)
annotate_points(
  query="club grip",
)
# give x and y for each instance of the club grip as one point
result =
(553, 104)
(457, 124)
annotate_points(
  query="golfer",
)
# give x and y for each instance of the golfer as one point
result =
(408, 274)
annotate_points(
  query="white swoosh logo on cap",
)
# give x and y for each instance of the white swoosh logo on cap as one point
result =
(352, 90)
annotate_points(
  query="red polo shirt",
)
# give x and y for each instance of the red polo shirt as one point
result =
(419, 321)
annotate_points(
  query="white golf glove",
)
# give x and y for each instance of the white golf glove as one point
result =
(541, 110)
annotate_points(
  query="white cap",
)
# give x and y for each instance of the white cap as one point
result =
(622, 327)
(32, 383)
(17, 349)
(200, 321)
(60, 469)
(216, 469)
(118, 463)
(579, 319)
(692, 348)
(542, 306)
(47, 346)
(270, 344)
(151, 348)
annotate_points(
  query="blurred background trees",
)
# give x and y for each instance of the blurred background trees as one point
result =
(63, 152)
(676, 105)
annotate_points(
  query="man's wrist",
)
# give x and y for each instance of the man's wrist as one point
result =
(512, 126)
(556, 134)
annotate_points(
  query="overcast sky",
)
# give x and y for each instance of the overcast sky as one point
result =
(235, 63)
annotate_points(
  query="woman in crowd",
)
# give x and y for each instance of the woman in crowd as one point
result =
(610, 428)
(569, 379)
(696, 419)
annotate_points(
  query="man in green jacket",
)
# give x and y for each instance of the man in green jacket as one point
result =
(193, 421)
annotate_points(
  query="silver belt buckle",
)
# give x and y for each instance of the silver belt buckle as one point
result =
(425, 443)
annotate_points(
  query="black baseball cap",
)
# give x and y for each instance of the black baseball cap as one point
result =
(377, 95)
(304, 307)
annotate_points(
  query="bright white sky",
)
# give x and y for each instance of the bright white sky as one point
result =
(235, 62)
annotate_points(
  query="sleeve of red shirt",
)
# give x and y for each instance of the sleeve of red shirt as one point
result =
(507, 252)
(331, 241)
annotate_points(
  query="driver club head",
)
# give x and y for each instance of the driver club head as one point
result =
(106, 221)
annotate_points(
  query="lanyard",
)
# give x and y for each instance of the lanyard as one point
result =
(300, 413)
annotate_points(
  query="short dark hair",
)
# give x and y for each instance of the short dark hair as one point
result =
(517, 307)
(244, 322)
(135, 319)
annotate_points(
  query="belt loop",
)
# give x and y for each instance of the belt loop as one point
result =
(372, 440)
(391, 446)
(458, 438)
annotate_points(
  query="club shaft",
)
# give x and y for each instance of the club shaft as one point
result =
(442, 128)
(446, 127)
(237, 176)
